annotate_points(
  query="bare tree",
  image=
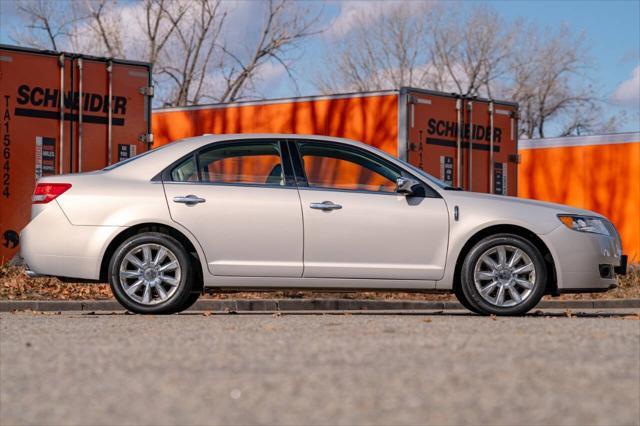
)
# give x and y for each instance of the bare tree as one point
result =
(589, 118)
(90, 26)
(421, 44)
(181, 38)
(284, 26)
(468, 53)
(549, 82)
(202, 66)
(49, 25)
(104, 21)
(381, 56)
(159, 25)
(192, 51)
(474, 53)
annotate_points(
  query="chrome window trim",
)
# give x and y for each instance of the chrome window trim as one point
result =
(357, 191)
(252, 185)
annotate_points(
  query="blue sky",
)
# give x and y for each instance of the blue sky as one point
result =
(611, 28)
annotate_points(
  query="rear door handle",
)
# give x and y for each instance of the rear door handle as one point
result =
(326, 206)
(188, 199)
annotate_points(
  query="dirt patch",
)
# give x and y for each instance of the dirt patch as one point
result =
(15, 285)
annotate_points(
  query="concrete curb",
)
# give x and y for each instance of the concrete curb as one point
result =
(286, 305)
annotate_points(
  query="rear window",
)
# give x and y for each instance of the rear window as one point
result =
(129, 160)
(185, 171)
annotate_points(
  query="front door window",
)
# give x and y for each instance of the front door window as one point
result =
(332, 167)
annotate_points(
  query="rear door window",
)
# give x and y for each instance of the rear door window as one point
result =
(254, 163)
(258, 163)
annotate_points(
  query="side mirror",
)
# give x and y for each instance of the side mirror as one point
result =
(405, 185)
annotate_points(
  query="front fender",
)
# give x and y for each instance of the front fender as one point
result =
(462, 232)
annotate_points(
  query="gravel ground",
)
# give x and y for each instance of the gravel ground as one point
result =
(319, 369)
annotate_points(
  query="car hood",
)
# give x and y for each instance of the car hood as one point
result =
(494, 200)
(540, 217)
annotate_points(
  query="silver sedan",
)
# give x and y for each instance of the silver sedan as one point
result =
(271, 211)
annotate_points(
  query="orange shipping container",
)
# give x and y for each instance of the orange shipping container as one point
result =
(599, 173)
(102, 117)
(433, 131)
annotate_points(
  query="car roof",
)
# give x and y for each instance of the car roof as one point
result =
(230, 137)
(195, 142)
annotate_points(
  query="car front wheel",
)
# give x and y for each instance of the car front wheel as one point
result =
(503, 275)
(150, 273)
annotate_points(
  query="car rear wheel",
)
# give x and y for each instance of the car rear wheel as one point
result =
(503, 275)
(150, 273)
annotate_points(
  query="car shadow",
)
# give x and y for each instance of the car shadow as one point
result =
(426, 313)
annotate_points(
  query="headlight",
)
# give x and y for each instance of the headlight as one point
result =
(595, 225)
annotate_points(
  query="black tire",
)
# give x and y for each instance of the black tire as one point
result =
(464, 301)
(471, 293)
(193, 298)
(178, 300)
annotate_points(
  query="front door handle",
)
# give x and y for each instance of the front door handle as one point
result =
(326, 206)
(188, 199)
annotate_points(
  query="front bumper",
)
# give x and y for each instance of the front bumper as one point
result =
(622, 268)
(581, 259)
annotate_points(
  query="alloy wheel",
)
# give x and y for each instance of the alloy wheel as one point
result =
(149, 274)
(505, 276)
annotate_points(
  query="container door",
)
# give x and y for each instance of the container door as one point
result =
(432, 135)
(102, 144)
(457, 140)
(504, 178)
(30, 134)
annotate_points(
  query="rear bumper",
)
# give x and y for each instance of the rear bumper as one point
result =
(51, 245)
(32, 274)
(584, 261)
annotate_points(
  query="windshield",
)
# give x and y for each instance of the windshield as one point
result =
(442, 184)
(439, 183)
(135, 157)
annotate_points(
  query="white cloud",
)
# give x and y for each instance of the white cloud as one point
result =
(271, 72)
(628, 92)
(352, 13)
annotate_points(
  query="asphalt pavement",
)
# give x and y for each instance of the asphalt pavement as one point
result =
(400, 368)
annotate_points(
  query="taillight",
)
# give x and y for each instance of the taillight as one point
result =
(46, 192)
